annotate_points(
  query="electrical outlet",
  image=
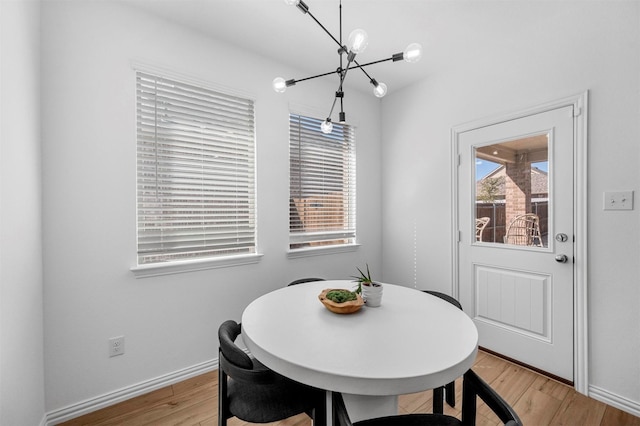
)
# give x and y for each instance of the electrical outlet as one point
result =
(618, 200)
(116, 346)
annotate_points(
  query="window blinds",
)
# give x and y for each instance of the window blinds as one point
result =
(322, 184)
(195, 172)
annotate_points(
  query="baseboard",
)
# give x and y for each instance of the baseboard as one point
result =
(111, 398)
(620, 402)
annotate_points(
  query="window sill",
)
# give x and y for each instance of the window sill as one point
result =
(321, 251)
(179, 267)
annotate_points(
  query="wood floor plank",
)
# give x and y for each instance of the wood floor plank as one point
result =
(420, 402)
(190, 415)
(133, 405)
(210, 378)
(166, 407)
(615, 417)
(511, 385)
(552, 387)
(536, 407)
(489, 367)
(484, 421)
(578, 409)
(211, 421)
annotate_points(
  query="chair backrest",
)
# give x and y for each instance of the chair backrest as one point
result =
(304, 280)
(473, 386)
(234, 362)
(481, 223)
(446, 297)
(227, 335)
(524, 230)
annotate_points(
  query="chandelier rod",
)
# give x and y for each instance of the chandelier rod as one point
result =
(323, 27)
(339, 92)
(294, 81)
(340, 43)
(305, 9)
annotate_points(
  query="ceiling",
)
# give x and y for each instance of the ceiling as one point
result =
(450, 31)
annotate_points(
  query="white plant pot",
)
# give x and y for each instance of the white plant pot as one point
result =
(372, 295)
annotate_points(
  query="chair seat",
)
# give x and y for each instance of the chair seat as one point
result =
(412, 420)
(282, 399)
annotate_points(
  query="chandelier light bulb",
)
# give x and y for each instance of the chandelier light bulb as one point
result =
(357, 41)
(380, 90)
(412, 53)
(279, 85)
(326, 126)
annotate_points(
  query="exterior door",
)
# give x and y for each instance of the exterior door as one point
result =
(516, 251)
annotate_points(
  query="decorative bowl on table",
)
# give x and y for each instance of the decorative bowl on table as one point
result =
(337, 305)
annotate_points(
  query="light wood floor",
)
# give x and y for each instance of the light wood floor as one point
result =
(538, 401)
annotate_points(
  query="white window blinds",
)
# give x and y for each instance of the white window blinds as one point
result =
(322, 189)
(195, 172)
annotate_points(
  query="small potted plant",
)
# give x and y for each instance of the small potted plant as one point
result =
(371, 291)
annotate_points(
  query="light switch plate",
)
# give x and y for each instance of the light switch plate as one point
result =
(618, 200)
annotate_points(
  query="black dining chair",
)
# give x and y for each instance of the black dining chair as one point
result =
(304, 280)
(472, 388)
(253, 393)
(450, 388)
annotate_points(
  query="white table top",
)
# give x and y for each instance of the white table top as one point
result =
(412, 342)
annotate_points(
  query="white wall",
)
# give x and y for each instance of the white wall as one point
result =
(170, 322)
(578, 46)
(21, 325)
(89, 155)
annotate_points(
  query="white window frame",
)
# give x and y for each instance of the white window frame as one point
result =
(316, 182)
(207, 148)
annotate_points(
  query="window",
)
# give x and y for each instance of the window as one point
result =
(322, 185)
(195, 172)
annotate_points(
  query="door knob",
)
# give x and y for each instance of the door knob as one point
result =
(562, 258)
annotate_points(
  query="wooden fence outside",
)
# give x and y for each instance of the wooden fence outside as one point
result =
(497, 227)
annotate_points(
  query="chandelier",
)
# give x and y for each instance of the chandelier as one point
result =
(356, 43)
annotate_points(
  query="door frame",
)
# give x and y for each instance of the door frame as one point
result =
(580, 322)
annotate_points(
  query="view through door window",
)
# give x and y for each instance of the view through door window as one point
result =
(512, 192)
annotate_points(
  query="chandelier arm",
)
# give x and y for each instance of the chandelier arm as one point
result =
(363, 70)
(315, 76)
(333, 105)
(324, 28)
(294, 81)
(372, 63)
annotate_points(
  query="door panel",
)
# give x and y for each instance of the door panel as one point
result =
(510, 283)
(517, 301)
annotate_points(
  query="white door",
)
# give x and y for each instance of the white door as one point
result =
(519, 288)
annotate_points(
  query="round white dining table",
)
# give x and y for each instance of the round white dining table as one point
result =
(412, 342)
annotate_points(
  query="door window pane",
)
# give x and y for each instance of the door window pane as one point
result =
(512, 192)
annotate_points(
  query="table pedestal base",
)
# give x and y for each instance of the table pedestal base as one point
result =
(361, 407)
